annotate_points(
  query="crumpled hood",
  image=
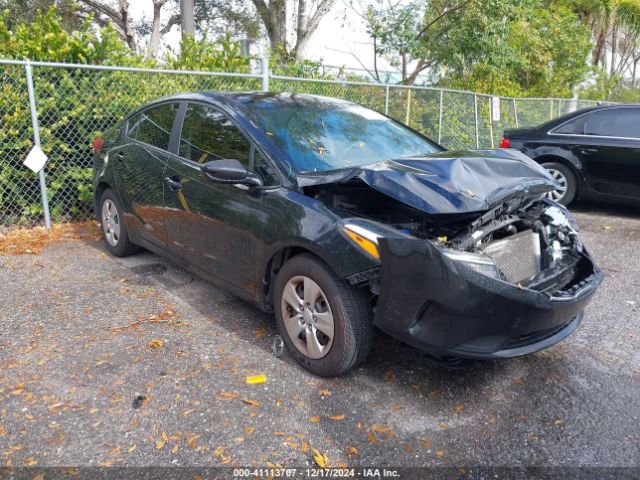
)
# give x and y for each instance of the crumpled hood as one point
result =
(450, 182)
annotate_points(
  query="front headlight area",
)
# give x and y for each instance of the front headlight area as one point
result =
(479, 263)
(365, 234)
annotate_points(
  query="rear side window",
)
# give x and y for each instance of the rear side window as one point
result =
(573, 127)
(208, 135)
(153, 126)
(615, 122)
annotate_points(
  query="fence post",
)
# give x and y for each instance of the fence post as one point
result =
(491, 124)
(515, 112)
(265, 70)
(475, 112)
(36, 141)
(408, 114)
(440, 118)
(386, 99)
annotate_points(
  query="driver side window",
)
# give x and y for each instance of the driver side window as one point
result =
(208, 135)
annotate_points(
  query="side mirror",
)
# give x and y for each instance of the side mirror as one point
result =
(230, 171)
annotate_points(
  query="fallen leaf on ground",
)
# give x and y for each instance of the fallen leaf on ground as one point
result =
(440, 453)
(337, 417)
(425, 443)
(218, 451)
(320, 458)
(226, 396)
(351, 451)
(458, 409)
(156, 343)
(32, 240)
(314, 419)
(252, 403)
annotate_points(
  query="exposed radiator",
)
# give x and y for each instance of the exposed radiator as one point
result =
(517, 257)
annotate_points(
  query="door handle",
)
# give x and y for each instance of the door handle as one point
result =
(588, 150)
(173, 184)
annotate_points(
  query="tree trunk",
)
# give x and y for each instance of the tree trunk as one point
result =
(309, 25)
(154, 39)
(188, 26)
(274, 18)
(130, 37)
(600, 47)
(119, 16)
(404, 68)
(614, 49)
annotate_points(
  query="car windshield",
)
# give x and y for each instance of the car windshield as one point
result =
(319, 136)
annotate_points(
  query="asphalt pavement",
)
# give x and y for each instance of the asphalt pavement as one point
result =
(135, 362)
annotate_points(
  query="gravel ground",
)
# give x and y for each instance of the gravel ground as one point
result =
(83, 334)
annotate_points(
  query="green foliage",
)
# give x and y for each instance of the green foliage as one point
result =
(223, 56)
(529, 48)
(543, 54)
(611, 88)
(46, 39)
(76, 105)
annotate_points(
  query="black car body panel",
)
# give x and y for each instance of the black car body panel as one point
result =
(606, 164)
(442, 307)
(449, 182)
(415, 208)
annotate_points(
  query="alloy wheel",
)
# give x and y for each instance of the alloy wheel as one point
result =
(307, 317)
(559, 193)
(110, 223)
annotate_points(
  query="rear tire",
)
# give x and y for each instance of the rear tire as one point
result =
(324, 322)
(565, 176)
(114, 229)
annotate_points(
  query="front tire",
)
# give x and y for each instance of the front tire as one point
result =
(114, 229)
(567, 180)
(324, 322)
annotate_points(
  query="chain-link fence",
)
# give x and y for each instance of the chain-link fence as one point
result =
(75, 103)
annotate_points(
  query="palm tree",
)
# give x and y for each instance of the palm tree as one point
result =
(610, 21)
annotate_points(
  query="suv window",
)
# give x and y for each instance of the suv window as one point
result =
(208, 134)
(153, 126)
(614, 122)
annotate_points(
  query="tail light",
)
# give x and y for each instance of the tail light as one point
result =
(98, 142)
(505, 143)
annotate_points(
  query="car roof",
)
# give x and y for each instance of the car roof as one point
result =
(242, 100)
(568, 116)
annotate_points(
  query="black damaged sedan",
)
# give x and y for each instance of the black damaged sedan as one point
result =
(337, 218)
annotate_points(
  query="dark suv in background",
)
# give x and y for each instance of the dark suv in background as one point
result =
(592, 153)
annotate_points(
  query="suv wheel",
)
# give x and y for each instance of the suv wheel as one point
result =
(324, 322)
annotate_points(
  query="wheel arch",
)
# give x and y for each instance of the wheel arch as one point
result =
(100, 189)
(280, 256)
(573, 165)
